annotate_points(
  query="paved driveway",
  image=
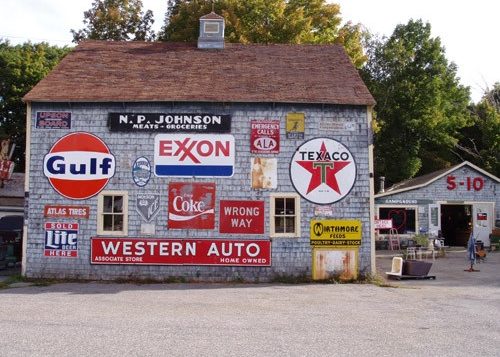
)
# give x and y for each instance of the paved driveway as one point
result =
(458, 314)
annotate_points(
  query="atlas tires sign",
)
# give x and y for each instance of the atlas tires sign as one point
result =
(79, 165)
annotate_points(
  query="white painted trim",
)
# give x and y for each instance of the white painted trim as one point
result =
(100, 202)
(371, 170)
(298, 215)
(26, 186)
(454, 168)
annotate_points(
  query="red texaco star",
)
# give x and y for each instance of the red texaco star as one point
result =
(323, 171)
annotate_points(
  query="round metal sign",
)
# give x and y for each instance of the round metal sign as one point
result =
(323, 171)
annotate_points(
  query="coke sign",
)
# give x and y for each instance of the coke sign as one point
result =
(79, 165)
(194, 155)
(191, 205)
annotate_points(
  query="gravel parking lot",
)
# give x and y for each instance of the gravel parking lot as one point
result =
(458, 314)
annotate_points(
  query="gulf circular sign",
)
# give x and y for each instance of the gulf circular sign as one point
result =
(323, 171)
(79, 165)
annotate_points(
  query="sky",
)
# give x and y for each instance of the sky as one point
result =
(468, 31)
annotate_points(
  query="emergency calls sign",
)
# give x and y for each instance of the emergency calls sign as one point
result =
(79, 165)
(189, 155)
(245, 217)
(336, 232)
(265, 136)
(151, 251)
(191, 205)
(323, 171)
(61, 239)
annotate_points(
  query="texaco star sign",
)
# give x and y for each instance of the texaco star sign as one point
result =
(323, 171)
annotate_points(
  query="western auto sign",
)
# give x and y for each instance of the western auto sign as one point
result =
(336, 232)
(191, 205)
(60, 211)
(79, 165)
(323, 171)
(194, 155)
(61, 240)
(145, 251)
(245, 217)
(265, 136)
(53, 120)
(148, 206)
(171, 122)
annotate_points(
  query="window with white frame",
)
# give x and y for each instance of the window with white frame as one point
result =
(285, 215)
(112, 213)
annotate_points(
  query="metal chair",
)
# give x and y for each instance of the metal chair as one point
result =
(411, 253)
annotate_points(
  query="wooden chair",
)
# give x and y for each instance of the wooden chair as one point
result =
(394, 239)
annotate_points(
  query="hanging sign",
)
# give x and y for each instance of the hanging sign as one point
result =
(336, 232)
(265, 136)
(61, 240)
(53, 120)
(60, 211)
(79, 165)
(295, 125)
(149, 251)
(323, 171)
(190, 155)
(170, 122)
(191, 205)
(148, 206)
(141, 171)
(246, 217)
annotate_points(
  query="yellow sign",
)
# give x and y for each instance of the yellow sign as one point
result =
(295, 126)
(329, 232)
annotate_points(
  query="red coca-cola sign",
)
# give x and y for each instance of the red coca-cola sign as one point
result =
(191, 205)
(154, 251)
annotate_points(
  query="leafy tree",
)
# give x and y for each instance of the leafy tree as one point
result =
(21, 67)
(480, 142)
(266, 21)
(118, 20)
(421, 106)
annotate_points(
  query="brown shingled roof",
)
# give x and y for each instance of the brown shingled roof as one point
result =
(106, 71)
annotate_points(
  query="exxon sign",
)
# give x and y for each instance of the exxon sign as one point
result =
(79, 165)
(188, 155)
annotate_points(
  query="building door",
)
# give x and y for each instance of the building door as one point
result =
(456, 224)
(434, 219)
(482, 214)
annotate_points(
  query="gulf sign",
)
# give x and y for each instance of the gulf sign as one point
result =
(244, 217)
(61, 239)
(188, 155)
(79, 165)
(152, 251)
(265, 136)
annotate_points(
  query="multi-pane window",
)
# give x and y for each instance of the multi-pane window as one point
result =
(285, 215)
(112, 213)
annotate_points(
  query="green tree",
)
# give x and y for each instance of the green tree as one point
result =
(21, 67)
(421, 106)
(119, 20)
(267, 21)
(480, 142)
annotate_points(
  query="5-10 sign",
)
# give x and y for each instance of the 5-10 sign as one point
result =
(471, 183)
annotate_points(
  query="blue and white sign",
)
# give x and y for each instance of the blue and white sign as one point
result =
(141, 171)
(187, 155)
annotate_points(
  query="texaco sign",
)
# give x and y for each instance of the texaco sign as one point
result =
(323, 171)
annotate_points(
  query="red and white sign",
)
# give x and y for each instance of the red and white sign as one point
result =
(191, 205)
(246, 217)
(79, 165)
(146, 251)
(265, 136)
(323, 171)
(58, 211)
(6, 169)
(191, 155)
(61, 239)
(383, 223)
